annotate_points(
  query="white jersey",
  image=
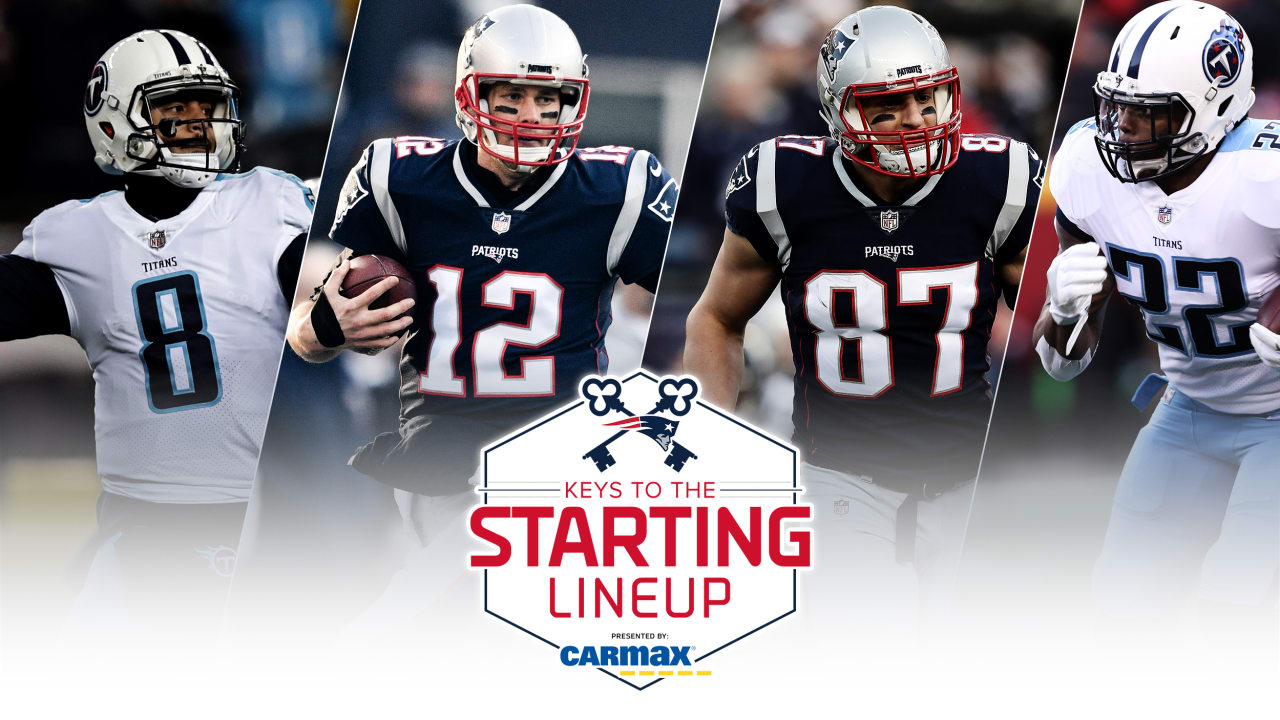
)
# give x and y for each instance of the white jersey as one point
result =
(1198, 262)
(183, 322)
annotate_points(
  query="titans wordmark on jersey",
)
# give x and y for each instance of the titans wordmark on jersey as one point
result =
(183, 321)
(513, 300)
(889, 307)
(1198, 263)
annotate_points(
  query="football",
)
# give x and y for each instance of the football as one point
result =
(367, 270)
(1269, 313)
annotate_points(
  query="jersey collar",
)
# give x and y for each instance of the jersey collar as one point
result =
(462, 167)
(123, 216)
(843, 173)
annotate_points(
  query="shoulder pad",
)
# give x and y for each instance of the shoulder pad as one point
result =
(1252, 135)
(1077, 177)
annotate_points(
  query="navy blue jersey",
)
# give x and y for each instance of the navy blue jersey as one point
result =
(889, 307)
(513, 289)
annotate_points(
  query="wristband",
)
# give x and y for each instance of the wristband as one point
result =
(325, 323)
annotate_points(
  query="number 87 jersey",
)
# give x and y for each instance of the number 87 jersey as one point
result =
(889, 307)
(1198, 263)
(513, 289)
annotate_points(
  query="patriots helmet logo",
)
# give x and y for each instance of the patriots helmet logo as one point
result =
(1224, 54)
(478, 28)
(833, 50)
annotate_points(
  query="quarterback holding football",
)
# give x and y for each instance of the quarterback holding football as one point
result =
(178, 289)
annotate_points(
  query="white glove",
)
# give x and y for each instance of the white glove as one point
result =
(1266, 343)
(1075, 276)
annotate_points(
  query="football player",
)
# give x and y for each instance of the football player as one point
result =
(1168, 197)
(178, 289)
(892, 240)
(515, 238)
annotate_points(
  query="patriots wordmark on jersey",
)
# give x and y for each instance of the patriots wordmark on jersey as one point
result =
(182, 320)
(514, 290)
(1198, 263)
(889, 306)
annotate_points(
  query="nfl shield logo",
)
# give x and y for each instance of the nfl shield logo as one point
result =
(888, 220)
(1165, 215)
(842, 507)
(156, 239)
(501, 222)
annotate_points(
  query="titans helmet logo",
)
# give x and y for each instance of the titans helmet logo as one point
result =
(97, 86)
(1224, 54)
(833, 50)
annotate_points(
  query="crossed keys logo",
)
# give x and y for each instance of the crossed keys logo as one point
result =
(604, 396)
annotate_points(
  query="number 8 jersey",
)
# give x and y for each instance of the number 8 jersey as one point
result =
(889, 307)
(1198, 262)
(183, 321)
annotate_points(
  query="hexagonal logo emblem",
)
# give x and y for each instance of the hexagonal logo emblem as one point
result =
(640, 531)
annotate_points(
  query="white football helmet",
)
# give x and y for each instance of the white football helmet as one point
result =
(880, 51)
(1187, 63)
(131, 78)
(522, 45)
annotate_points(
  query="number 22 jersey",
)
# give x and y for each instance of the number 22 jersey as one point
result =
(182, 320)
(889, 307)
(1198, 263)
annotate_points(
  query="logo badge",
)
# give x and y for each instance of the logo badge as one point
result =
(888, 220)
(221, 559)
(501, 222)
(94, 92)
(674, 398)
(740, 177)
(1165, 215)
(156, 239)
(597, 518)
(1224, 54)
(495, 253)
(833, 50)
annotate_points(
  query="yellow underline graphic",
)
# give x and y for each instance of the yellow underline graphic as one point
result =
(663, 673)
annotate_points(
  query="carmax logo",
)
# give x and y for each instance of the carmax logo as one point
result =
(626, 655)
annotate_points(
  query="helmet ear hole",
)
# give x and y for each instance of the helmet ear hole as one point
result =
(1222, 109)
(107, 130)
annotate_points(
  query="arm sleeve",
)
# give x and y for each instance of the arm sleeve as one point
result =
(1071, 227)
(360, 222)
(740, 215)
(651, 197)
(297, 205)
(289, 266)
(31, 302)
